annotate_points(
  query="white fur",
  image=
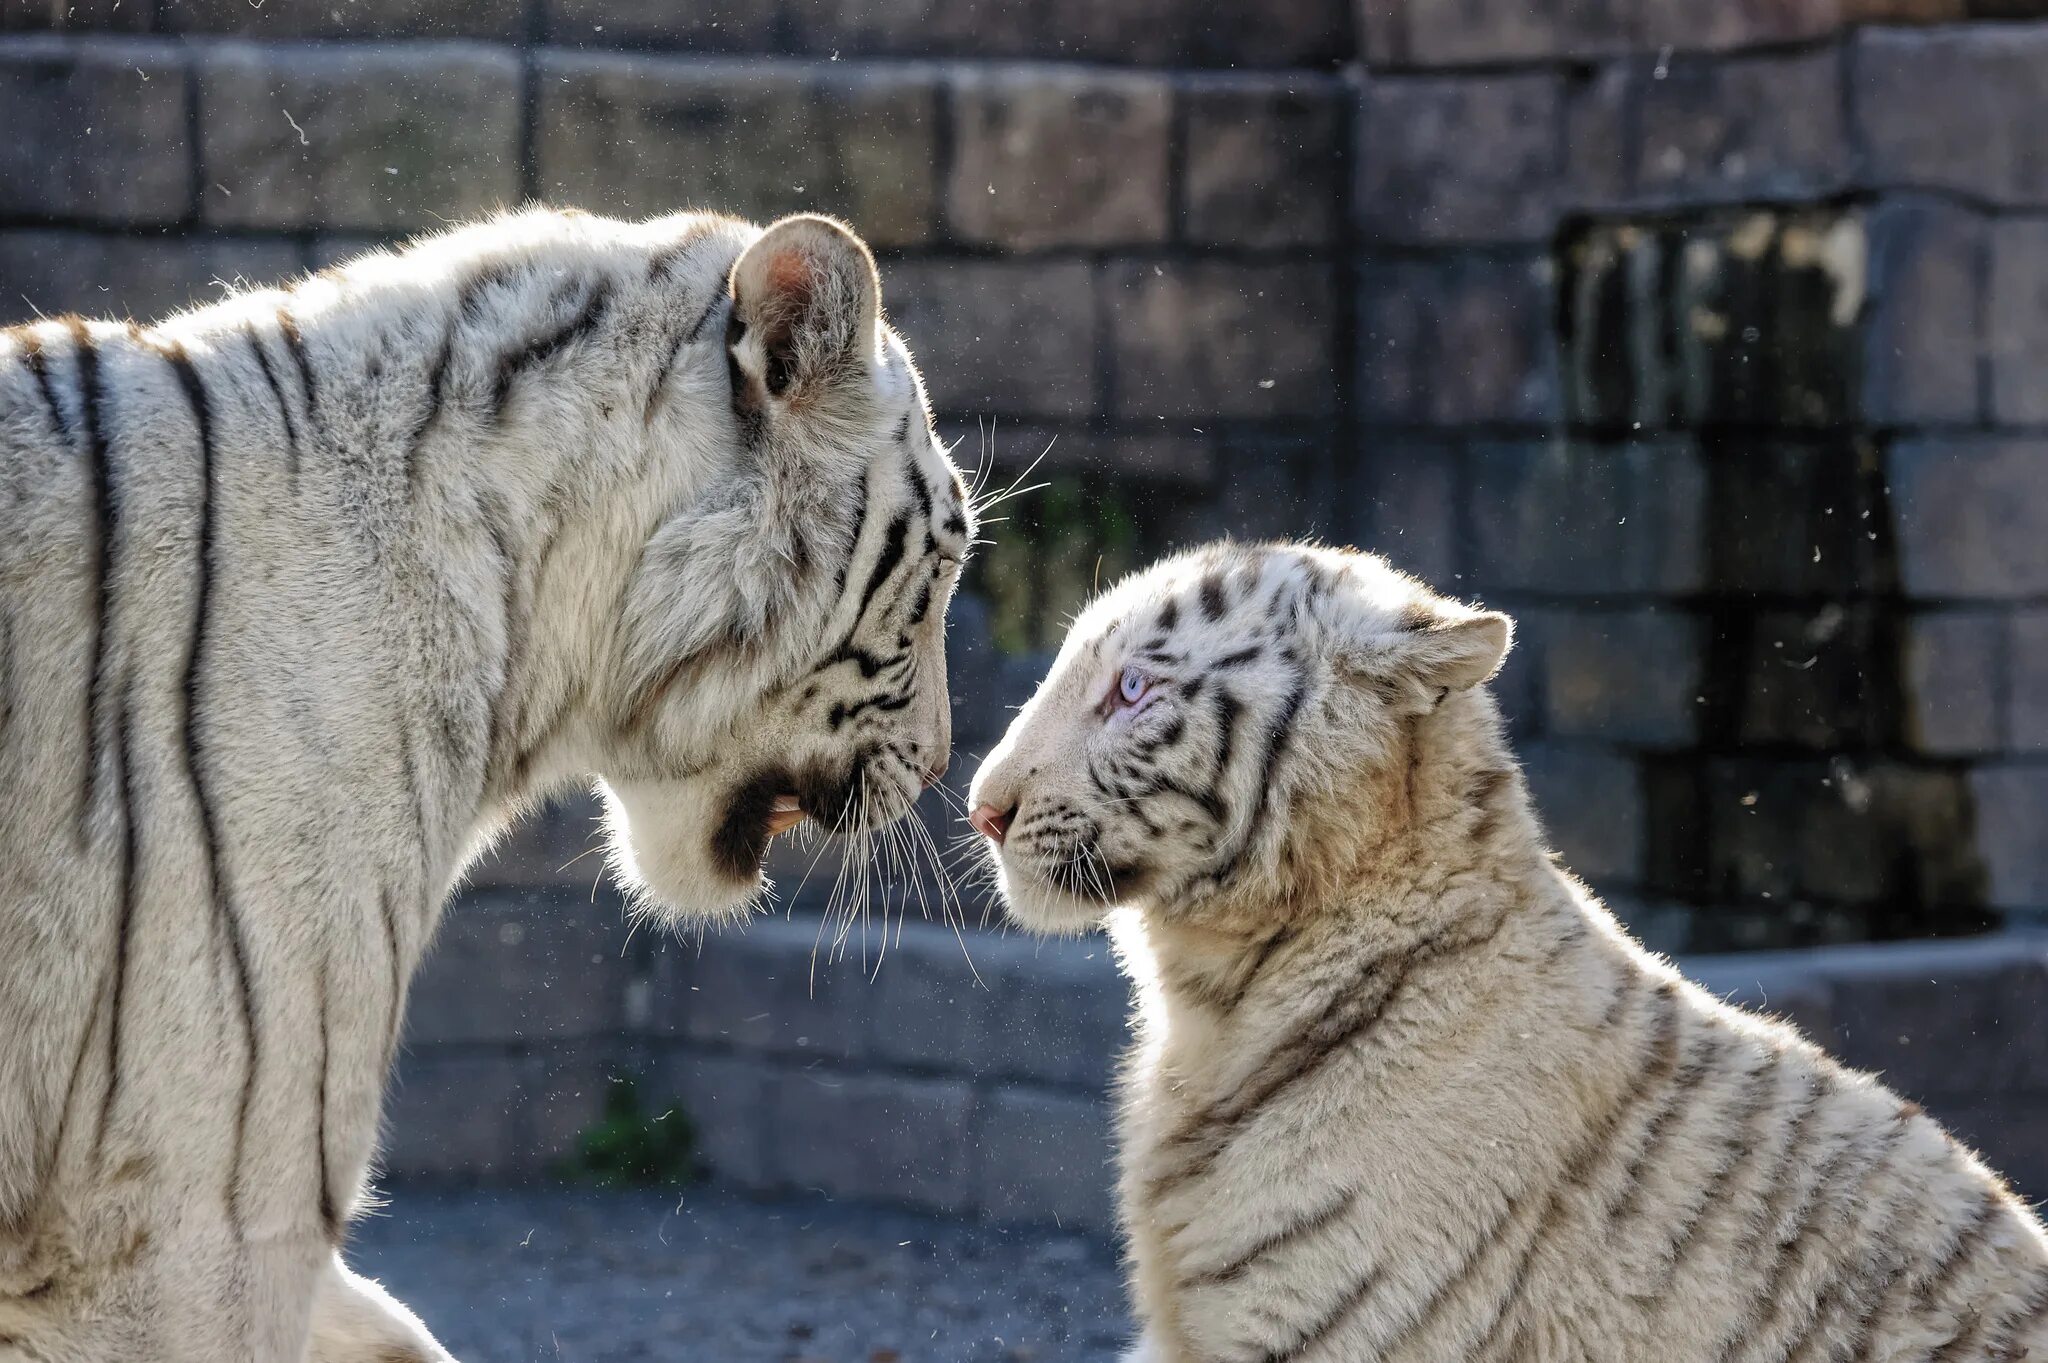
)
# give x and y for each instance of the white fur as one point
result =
(1402, 1089)
(545, 499)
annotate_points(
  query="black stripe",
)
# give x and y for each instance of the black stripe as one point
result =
(39, 368)
(893, 547)
(330, 1216)
(1211, 591)
(1277, 735)
(1305, 1226)
(397, 1008)
(105, 514)
(704, 317)
(1241, 657)
(437, 381)
(543, 348)
(842, 712)
(125, 929)
(284, 408)
(295, 346)
(410, 766)
(860, 522)
(196, 766)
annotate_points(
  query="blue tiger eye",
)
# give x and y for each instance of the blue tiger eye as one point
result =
(1133, 685)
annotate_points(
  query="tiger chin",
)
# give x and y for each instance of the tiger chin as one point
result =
(303, 596)
(1402, 1088)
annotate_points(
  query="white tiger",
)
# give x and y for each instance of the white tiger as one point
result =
(301, 596)
(1402, 1088)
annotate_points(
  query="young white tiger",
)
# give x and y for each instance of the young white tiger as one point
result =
(1402, 1089)
(301, 595)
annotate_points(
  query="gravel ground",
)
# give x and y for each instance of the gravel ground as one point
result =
(504, 1276)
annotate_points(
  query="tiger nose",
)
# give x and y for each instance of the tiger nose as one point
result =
(991, 823)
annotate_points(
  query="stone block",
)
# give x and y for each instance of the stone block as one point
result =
(2017, 321)
(367, 138)
(1261, 165)
(726, 1100)
(1735, 23)
(1624, 676)
(456, 1116)
(1787, 986)
(383, 20)
(1599, 135)
(102, 16)
(1939, 1030)
(700, 26)
(1986, 136)
(1285, 33)
(1061, 1010)
(1457, 342)
(567, 1098)
(511, 966)
(2026, 688)
(1058, 156)
(1792, 518)
(1410, 496)
(1282, 486)
(1742, 128)
(1820, 678)
(1972, 516)
(1221, 339)
(1890, 835)
(2004, 1129)
(1952, 679)
(1459, 158)
(933, 1010)
(2009, 799)
(780, 987)
(54, 272)
(1182, 457)
(1591, 802)
(999, 337)
(1045, 1156)
(1572, 518)
(873, 1136)
(1924, 327)
(560, 844)
(98, 130)
(637, 134)
(1469, 32)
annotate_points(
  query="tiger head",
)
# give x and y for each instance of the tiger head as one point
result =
(1219, 734)
(782, 650)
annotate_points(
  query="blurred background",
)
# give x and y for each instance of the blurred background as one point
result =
(1709, 339)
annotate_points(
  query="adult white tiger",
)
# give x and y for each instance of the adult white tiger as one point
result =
(1403, 1090)
(301, 595)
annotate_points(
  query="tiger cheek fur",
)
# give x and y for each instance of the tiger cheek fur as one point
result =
(302, 596)
(1401, 1087)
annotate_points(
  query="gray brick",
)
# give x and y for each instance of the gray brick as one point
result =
(1285, 33)
(1744, 128)
(931, 1011)
(726, 1100)
(384, 20)
(567, 1097)
(873, 1136)
(1987, 135)
(700, 26)
(1591, 802)
(2009, 799)
(1599, 136)
(1178, 457)
(1936, 1029)
(1410, 494)
(385, 137)
(96, 130)
(1924, 326)
(1058, 157)
(1261, 159)
(509, 966)
(1815, 678)
(55, 272)
(2026, 688)
(1061, 1009)
(2017, 324)
(1952, 677)
(560, 844)
(777, 988)
(1465, 32)
(1792, 518)
(1000, 337)
(1459, 158)
(1044, 1156)
(1972, 516)
(1735, 23)
(105, 16)
(455, 1116)
(644, 135)
(1568, 518)
(1788, 986)
(1210, 338)
(1452, 343)
(1623, 676)
(1282, 487)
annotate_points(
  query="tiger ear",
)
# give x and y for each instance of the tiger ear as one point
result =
(807, 306)
(1390, 627)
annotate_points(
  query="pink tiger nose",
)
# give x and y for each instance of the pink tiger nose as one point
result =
(991, 823)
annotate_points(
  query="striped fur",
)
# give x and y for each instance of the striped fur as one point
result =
(302, 597)
(1402, 1089)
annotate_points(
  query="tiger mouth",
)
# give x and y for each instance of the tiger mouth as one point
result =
(786, 813)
